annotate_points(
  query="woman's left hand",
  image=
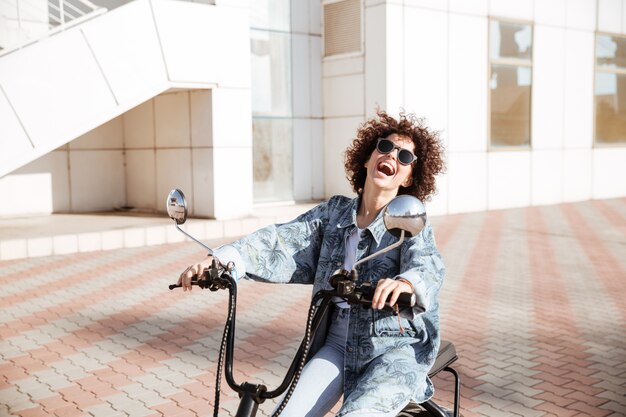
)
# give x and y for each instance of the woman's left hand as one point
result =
(388, 286)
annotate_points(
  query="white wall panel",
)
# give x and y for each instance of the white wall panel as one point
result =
(139, 126)
(141, 179)
(477, 7)
(201, 118)
(343, 96)
(33, 191)
(315, 16)
(318, 152)
(515, 9)
(203, 182)
(302, 161)
(467, 126)
(467, 181)
(577, 174)
(394, 61)
(232, 117)
(579, 80)
(610, 16)
(623, 31)
(97, 180)
(581, 14)
(438, 205)
(41, 187)
(338, 134)
(232, 187)
(547, 177)
(316, 76)
(609, 173)
(348, 65)
(299, 16)
(130, 55)
(14, 142)
(107, 136)
(551, 12)
(301, 75)
(427, 4)
(547, 90)
(56, 88)
(171, 115)
(173, 170)
(509, 180)
(376, 64)
(426, 84)
(185, 29)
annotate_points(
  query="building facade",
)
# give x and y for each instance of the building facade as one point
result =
(526, 96)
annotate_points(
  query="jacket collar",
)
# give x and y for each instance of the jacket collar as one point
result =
(347, 219)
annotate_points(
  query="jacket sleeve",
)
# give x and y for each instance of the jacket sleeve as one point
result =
(286, 252)
(422, 265)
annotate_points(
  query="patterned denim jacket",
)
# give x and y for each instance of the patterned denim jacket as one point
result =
(384, 365)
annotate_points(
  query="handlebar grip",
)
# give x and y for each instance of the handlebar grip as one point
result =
(194, 281)
(406, 300)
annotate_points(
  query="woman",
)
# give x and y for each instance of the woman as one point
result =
(378, 361)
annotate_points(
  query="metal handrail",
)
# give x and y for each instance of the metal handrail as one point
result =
(61, 15)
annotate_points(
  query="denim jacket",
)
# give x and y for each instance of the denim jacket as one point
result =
(384, 364)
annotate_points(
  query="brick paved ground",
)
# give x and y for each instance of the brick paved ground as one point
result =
(534, 301)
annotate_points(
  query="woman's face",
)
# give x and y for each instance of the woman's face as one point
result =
(385, 172)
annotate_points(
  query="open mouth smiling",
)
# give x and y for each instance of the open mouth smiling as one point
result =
(386, 168)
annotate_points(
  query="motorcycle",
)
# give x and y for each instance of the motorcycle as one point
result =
(403, 216)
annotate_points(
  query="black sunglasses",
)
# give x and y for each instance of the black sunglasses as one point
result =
(405, 156)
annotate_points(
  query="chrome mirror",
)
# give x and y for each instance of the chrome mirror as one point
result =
(406, 213)
(177, 210)
(177, 206)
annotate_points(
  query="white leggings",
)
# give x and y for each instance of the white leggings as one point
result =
(321, 383)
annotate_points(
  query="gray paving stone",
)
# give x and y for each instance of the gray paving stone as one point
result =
(16, 400)
(104, 410)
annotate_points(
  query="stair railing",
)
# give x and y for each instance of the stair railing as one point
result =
(60, 15)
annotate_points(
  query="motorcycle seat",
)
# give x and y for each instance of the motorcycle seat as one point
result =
(445, 356)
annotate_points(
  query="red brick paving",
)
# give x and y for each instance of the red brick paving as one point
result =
(549, 344)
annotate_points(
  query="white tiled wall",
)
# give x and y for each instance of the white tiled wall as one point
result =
(338, 134)
(581, 14)
(108, 136)
(610, 16)
(579, 96)
(201, 118)
(97, 180)
(467, 181)
(141, 178)
(426, 65)
(344, 95)
(548, 87)
(547, 177)
(518, 9)
(468, 89)
(509, 180)
(550, 12)
(139, 126)
(375, 58)
(171, 114)
(301, 75)
(476, 7)
(577, 172)
(609, 172)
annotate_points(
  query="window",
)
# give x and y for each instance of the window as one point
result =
(272, 126)
(510, 58)
(610, 90)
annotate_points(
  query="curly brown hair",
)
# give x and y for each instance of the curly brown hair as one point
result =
(428, 150)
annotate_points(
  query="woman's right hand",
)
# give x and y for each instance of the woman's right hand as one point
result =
(194, 270)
